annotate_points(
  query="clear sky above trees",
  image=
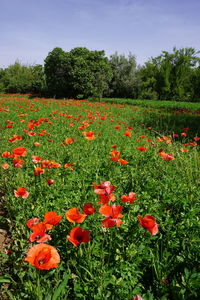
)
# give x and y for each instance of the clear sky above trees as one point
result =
(29, 29)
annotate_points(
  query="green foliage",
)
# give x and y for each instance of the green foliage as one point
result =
(18, 78)
(125, 80)
(77, 74)
(171, 76)
(118, 262)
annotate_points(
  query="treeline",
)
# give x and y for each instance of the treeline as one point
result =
(81, 73)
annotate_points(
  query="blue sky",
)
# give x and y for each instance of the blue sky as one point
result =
(30, 29)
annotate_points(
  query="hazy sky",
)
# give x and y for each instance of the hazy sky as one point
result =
(30, 29)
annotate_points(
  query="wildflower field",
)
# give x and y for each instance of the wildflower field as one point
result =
(100, 200)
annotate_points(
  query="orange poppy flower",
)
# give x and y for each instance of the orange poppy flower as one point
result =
(38, 171)
(21, 192)
(122, 161)
(112, 214)
(36, 144)
(128, 133)
(5, 166)
(115, 155)
(43, 257)
(52, 218)
(88, 209)
(20, 151)
(166, 156)
(184, 150)
(68, 141)
(149, 223)
(78, 236)
(74, 216)
(69, 166)
(131, 197)
(89, 135)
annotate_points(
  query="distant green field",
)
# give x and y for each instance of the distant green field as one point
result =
(155, 103)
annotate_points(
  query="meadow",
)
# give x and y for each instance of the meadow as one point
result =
(101, 200)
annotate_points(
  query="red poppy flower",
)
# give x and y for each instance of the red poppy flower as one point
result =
(36, 159)
(20, 151)
(142, 148)
(105, 188)
(78, 236)
(112, 214)
(128, 133)
(122, 161)
(43, 256)
(89, 135)
(137, 297)
(74, 216)
(50, 181)
(17, 162)
(88, 209)
(104, 199)
(39, 236)
(196, 138)
(30, 223)
(131, 197)
(149, 223)
(21, 192)
(5, 154)
(52, 218)
(183, 133)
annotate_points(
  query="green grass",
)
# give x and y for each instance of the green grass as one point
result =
(156, 103)
(118, 262)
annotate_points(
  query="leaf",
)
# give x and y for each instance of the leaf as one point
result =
(60, 288)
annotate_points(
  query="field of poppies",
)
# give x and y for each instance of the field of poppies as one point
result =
(100, 200)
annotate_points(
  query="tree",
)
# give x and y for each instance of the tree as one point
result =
(56, 69)
(170, 75)
(79, 73)
(125, 80)
(18, 78)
